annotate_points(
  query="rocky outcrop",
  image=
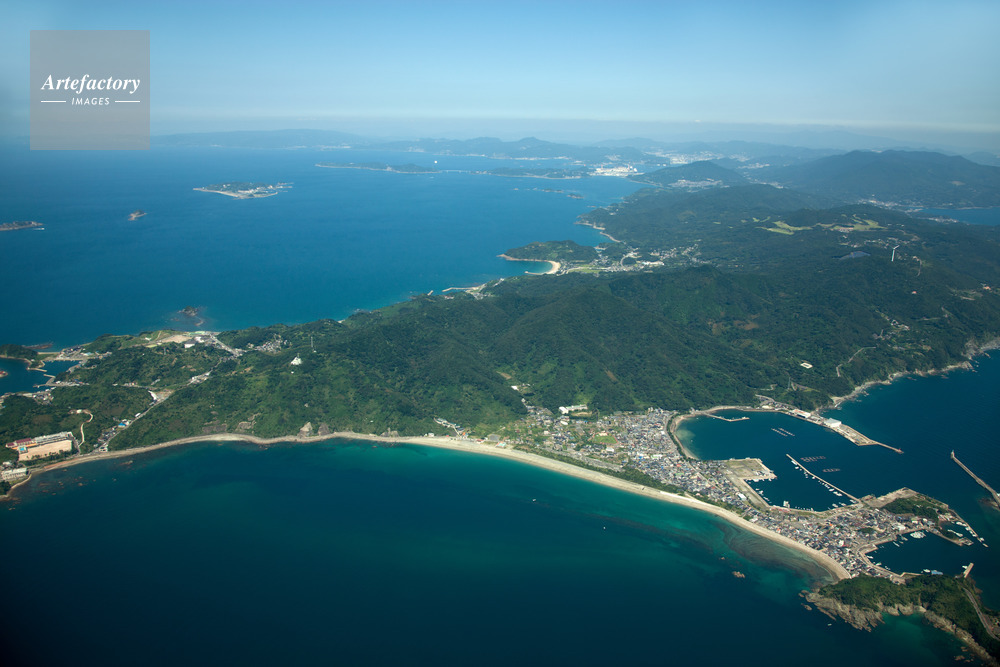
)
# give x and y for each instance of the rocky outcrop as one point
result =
(862, 619)
(868, 619)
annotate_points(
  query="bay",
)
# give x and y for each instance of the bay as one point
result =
(19, 378)
(926, 417)
(346, 553)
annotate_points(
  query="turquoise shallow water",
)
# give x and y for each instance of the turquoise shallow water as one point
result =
(348, 554)
(344, 553)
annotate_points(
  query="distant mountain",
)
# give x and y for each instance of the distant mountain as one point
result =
(732, 154)
(904, 177)
(985, 157)
(262, 139)
(653, 218)
(691, 176)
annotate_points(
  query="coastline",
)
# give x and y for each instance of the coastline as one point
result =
(834, 570)
(599, 229)
(554, 265)
(973, 352)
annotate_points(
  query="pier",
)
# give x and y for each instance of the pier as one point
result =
(996, 498)
(835, 425)
(860, 439)
(820, 479)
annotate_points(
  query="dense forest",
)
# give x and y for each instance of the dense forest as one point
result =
(761, 291)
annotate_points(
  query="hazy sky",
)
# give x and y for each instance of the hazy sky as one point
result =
(877, 67)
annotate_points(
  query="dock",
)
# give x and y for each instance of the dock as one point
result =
(860, 439)
(835, 425)
(996, 498)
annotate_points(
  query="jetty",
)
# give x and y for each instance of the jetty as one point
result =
(820, 479)
(996, 498)
(727, 419)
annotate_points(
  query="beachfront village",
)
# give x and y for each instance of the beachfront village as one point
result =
(646, 442)
(642, 448)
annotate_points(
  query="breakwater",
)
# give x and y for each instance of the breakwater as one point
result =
(993, 493)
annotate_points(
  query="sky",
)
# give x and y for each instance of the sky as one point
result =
(886, 68)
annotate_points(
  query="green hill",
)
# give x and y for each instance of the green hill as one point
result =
(911, 178)
(762, 280)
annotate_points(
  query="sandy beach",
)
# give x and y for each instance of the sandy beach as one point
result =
(554, 268)
(834, 569)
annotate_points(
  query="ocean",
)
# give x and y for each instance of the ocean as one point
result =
(337, 241)
(348, 553)
(927, 418)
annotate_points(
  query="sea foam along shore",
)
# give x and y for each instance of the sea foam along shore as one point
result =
(832, 567)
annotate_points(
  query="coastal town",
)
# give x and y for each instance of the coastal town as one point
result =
(848, 533)
(643, 448)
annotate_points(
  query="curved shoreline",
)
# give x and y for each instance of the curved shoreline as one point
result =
(828, 564)
(555, 266)
(835, 571)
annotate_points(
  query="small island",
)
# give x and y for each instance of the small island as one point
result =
(191, 315)
(408, 168)
(244, 190)
(135, 215)
(19, 224)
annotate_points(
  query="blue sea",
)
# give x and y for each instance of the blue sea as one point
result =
(927, 418)
(347, 553)
(337, 241)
